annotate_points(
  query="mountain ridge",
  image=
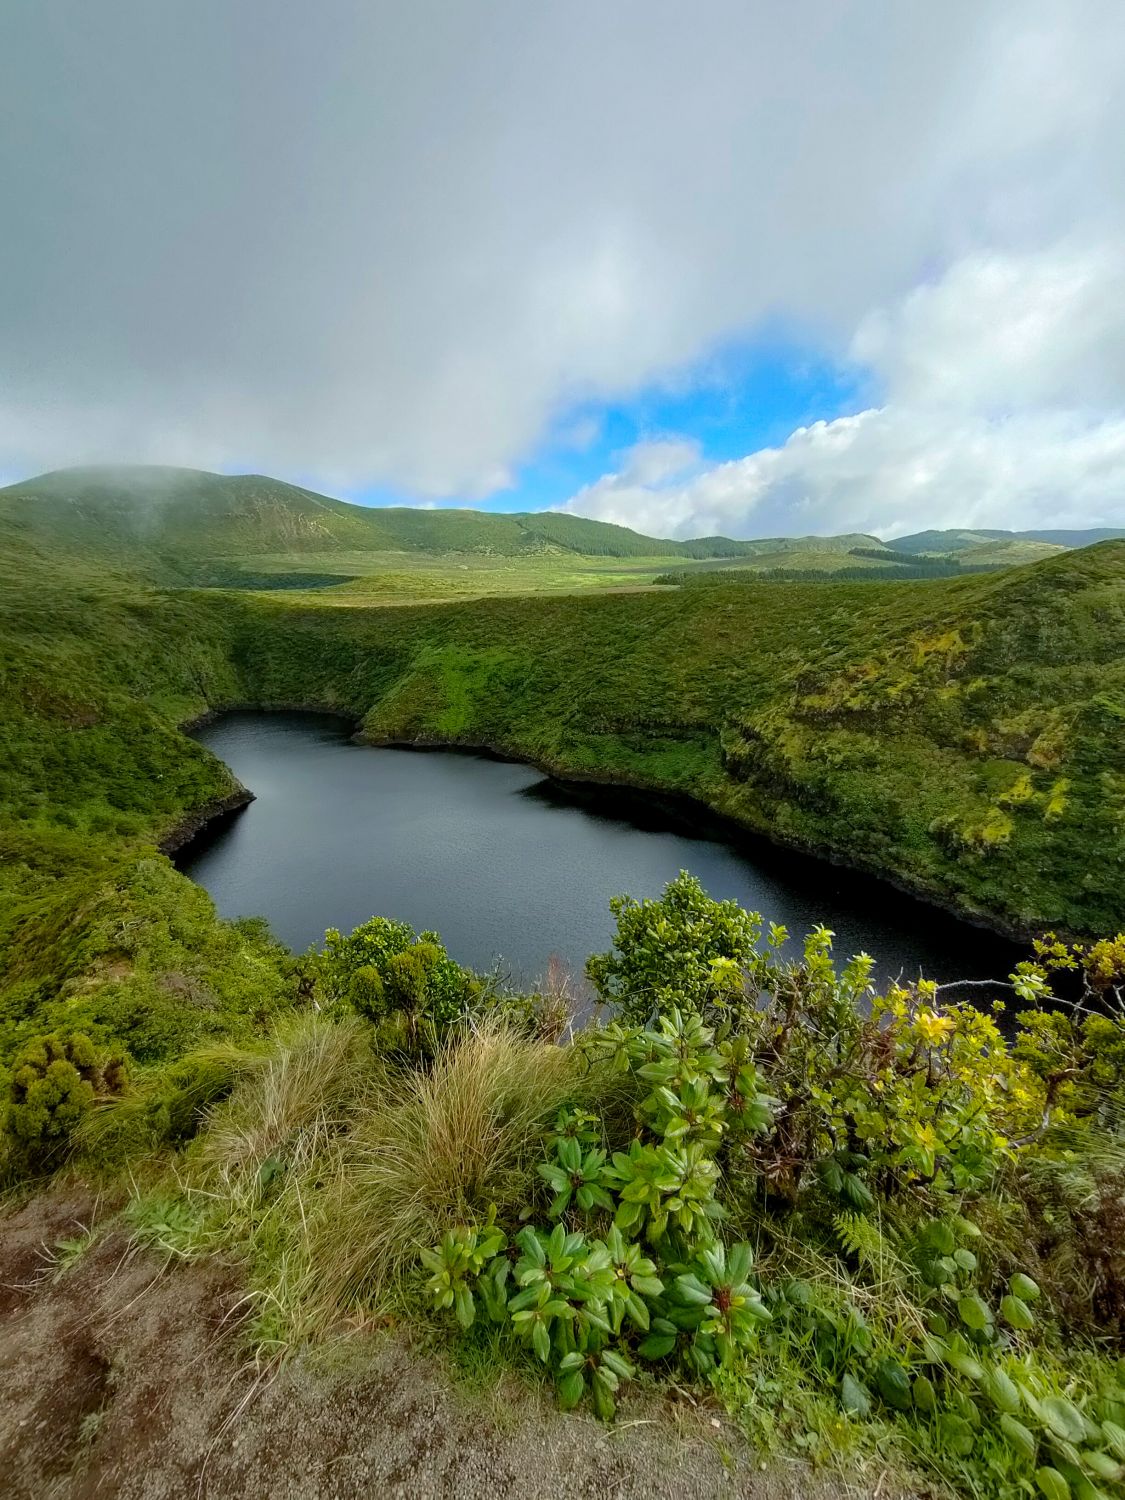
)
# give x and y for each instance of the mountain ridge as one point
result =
(195, 513)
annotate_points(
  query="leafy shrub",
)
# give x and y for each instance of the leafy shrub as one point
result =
(406, 984)
(590, 1307)
(55, 1081)
(684, 950)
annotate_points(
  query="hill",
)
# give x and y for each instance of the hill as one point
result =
(171, 516)
(187, 525)
(984, 540)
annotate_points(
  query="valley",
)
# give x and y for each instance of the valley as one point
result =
(302, 1114)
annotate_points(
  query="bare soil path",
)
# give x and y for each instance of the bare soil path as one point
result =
(121, 1377)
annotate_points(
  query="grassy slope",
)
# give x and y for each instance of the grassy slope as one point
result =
(163, 521)
(964, 737)
(182, 514)
(96, 928)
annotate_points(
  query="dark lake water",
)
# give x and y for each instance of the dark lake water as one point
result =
(510, 866)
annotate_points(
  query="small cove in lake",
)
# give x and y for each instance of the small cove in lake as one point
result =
(509, 865)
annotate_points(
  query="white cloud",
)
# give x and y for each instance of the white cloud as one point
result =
(1002, 331)
(393, 245)
(658, 460)
(890, 471)
(1005, 406)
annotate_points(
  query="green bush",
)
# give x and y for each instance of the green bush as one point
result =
(403, 982)
(590, 1306)
(684, 949)
(55, 1081)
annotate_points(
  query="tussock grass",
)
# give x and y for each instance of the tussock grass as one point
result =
(290, 1109)
(435, 1149)
(165, 1106)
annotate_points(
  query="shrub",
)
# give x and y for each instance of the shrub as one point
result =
(588, 1306)
(165, 1106)
(684, 950)
(406, 984)
(55, 1080)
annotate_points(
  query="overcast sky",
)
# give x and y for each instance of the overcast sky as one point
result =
(745, 267)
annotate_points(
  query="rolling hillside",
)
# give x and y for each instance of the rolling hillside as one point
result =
(984, 541)
(171, 525)
(177, 515)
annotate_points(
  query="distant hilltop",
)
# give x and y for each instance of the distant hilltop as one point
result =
(175, 513)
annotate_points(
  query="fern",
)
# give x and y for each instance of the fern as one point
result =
(862, 1238)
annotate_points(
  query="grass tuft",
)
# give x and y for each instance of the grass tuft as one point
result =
(434, 1150)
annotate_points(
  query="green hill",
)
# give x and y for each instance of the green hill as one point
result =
(161, 516)
(984, 540)
(169, 525)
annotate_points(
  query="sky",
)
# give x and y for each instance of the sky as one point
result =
(734, 266)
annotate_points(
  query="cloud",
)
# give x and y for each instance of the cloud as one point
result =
(656, 461)
(1002, 331)
(890, 471)
(1005, 406)
(379, 245)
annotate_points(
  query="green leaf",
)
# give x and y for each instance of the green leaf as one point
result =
(1024, 1288)
(1004, 1391)
(894, 1384)
(965, 1365)
(955, 1435)
(966, 1260)
(530, 1243)
(637, 1311)
(541, 1340)
(1016, 1313)
(925, 1397)
(691, 1290)
(604, 1404)
(1019, 1436)
(648, 1286)
(572, 1388)
(974, 1312)
(464, 1307)
(1103, 1466)
(1064, 1419)
(1052, 1486)
(620, 1366)
(854, 1397)
(657, 1345)
(939, 1237)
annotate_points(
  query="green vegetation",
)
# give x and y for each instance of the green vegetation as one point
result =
(188, 527)
(854, 1216)
(868, 1221)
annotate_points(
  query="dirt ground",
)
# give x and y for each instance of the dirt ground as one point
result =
(122, 1377)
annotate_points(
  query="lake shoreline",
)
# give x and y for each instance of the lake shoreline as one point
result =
(686, 812)
(682, 807)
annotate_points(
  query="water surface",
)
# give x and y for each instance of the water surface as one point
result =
(509, 866)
